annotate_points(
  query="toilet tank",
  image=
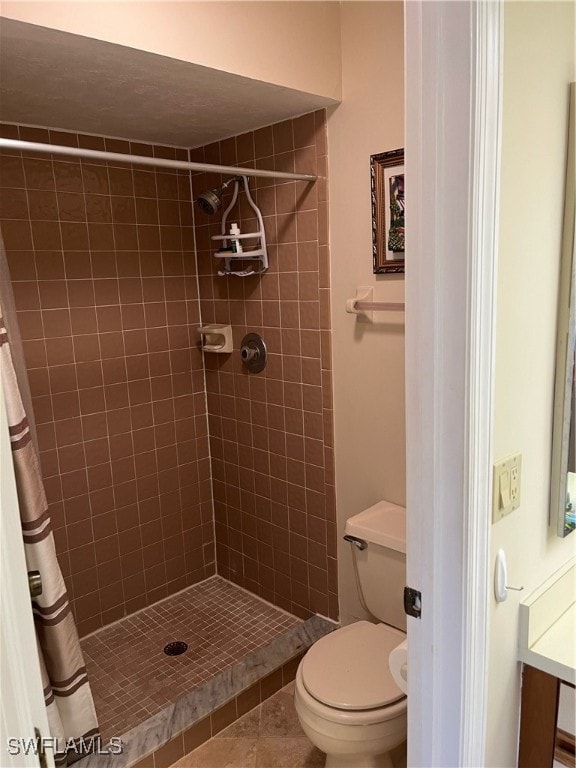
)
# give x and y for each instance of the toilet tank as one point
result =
(381, 564)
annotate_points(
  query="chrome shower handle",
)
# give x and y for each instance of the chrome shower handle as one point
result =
(249, 353)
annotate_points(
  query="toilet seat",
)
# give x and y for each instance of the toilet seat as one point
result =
(348, 669)
(308, 707)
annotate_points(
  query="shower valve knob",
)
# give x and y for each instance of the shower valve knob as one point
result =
(248, 353)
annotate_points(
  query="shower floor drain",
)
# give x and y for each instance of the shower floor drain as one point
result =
(175, 648)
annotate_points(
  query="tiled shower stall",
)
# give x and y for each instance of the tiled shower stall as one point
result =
(164, 465)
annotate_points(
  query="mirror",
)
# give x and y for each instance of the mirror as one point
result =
(388, 209)
(563, 477)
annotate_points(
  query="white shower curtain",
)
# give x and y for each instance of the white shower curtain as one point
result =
(69, 702)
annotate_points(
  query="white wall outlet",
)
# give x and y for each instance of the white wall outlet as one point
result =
(506, 486)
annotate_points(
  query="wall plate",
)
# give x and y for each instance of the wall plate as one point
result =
(253, 352)
(506, 486)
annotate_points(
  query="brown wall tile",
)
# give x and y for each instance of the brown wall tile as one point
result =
(73, 250)
(119, 387)
(268, 430)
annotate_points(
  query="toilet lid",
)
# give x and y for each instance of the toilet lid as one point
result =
(348, 669)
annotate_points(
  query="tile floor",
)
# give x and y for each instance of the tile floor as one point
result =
(268, 736)
(131, 676)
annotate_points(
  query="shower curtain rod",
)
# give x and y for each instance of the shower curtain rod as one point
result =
(96, 154)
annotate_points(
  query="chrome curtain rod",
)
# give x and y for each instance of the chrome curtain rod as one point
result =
(96, 154)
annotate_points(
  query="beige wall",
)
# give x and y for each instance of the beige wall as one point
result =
(290, 44)
(538, 65)
(368, 360)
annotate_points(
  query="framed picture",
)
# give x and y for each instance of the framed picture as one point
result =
(388, 211)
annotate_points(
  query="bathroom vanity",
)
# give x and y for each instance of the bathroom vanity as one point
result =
(547, 648)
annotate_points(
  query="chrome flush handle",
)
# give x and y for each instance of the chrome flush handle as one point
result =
(360, 543)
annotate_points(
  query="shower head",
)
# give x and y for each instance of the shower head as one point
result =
(211, 199)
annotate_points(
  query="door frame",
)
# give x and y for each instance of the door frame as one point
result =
(453, 105)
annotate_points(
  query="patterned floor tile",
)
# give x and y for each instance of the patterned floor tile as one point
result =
(268, 736)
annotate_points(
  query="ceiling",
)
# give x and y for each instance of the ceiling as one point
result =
(59, 80)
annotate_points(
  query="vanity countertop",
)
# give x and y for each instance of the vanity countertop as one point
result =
(548, 625)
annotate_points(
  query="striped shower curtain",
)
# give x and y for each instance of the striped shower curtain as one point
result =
(71, 712)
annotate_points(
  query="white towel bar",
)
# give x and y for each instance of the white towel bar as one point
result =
(363, 305)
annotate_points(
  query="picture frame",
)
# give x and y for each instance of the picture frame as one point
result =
(388, 211)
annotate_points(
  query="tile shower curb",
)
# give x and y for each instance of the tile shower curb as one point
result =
(190, 709)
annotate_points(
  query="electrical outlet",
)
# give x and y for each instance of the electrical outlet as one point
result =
(515, 483)
(506, 486)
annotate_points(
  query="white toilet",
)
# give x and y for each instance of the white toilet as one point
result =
(348, 702)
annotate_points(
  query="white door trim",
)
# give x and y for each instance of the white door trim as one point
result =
(483, 256)
(452, 148)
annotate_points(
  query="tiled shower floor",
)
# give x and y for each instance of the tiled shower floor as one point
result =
(131, 676)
